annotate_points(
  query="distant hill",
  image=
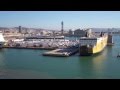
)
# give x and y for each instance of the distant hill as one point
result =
(4, 28)
(105, 29)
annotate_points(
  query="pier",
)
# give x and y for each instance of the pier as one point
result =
(65, 52)
(110, 40)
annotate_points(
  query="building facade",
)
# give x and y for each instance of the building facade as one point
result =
(82, 33)
(79, 33)
(71, 33)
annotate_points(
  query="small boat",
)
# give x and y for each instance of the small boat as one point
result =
(118, 55)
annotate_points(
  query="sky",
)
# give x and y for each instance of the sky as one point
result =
(52, 19)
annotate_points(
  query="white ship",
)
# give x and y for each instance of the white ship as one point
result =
(2, 40)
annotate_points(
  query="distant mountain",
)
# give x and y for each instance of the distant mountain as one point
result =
(104, 29)
(4, 28)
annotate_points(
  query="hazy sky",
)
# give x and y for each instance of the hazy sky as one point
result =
(52, 19)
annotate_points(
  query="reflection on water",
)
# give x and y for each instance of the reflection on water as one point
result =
(98, 59)
(92, 66)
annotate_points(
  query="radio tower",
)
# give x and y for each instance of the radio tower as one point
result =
(62, 27)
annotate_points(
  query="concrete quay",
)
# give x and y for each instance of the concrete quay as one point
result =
(65, 52)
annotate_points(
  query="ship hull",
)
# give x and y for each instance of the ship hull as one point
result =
(87, 50)
(100, 45)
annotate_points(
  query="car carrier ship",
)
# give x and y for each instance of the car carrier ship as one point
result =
(92, 45)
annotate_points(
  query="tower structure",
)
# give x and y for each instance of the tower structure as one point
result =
(62, 27)
(20, 29)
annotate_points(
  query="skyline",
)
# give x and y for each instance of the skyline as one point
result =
(52, 19)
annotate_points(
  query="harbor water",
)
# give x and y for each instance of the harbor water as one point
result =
(30, 64)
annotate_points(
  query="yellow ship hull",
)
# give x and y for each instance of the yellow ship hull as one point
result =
(100, 45)
(90, 50)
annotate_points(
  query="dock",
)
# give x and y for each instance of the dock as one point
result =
(110, 40)
(65, 52)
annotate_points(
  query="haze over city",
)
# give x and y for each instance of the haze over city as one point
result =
(52, 19)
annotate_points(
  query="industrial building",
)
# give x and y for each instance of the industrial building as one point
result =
(71, 33)
(82, 33)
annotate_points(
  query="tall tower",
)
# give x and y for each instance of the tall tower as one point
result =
(62, 27)
(20, 29)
